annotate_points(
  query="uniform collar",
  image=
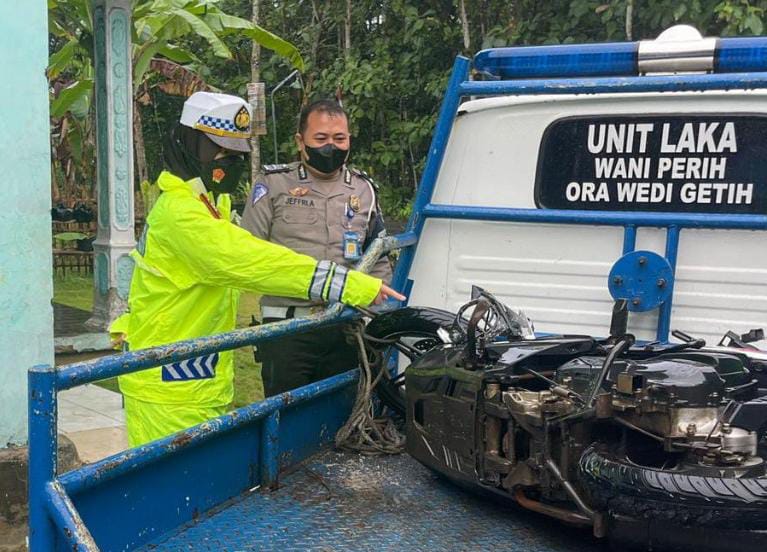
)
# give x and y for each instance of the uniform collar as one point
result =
(167, 181)
(328, 187)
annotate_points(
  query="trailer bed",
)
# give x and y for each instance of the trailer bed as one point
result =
(341, 501)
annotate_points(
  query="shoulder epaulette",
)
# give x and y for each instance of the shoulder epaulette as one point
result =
(272, 169)
(366, 176)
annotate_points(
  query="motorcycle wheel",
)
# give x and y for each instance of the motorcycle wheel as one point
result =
(621, 487)
(416, 326)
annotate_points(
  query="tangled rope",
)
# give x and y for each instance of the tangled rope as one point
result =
(364, 432)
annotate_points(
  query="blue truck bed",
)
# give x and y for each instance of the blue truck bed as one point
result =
(342, 501)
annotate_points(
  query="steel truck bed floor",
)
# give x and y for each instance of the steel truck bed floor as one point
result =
(339, 501)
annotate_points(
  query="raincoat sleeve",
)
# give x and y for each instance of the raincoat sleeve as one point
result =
(118, 330)
(218, 253)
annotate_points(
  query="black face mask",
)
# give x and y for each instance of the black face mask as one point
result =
(222, 176)
(189, 153)
(326, 159)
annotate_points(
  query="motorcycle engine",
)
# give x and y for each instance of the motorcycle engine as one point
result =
(682, 398)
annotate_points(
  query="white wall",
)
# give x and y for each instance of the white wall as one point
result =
(26, 315)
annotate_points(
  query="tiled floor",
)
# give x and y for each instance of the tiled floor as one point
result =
(93, 418)
(69, 321)
(72, 335)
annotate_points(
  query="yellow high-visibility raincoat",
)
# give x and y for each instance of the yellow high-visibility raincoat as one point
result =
(190, 264)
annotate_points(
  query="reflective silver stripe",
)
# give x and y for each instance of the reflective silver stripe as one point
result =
(172, 372)
(274, 312)
(318, 281)
(198, 363)
(326, 288)
(185, 368)
(282, 312)
(337, 284)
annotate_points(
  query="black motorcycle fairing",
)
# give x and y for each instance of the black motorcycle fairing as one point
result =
(730, 368)
(441, 413)
(511, 357)
(676, 381)
(426, 328)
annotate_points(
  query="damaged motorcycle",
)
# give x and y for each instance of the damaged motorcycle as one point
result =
(656, 446)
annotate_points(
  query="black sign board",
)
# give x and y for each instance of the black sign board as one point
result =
(669, 163)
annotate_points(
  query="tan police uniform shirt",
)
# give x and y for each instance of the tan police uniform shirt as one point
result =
(290, 207)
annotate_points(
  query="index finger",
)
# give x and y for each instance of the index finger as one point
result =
(389, 292)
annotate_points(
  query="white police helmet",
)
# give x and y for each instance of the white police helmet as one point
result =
(225, 119)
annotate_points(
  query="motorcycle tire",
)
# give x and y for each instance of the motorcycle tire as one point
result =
(409, 322)
(624, 488)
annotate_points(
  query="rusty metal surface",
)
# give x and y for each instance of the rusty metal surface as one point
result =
(65, 516)
(342, 501)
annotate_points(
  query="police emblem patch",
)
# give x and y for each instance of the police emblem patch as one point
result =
(218, 175)
(259, 191)
(242, 119)
(354, 203)
(298, 191)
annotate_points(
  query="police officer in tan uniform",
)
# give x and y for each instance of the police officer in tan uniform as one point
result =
(322, 208)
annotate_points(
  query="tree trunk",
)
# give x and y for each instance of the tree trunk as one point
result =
(465, 25)
(317, 28)
(138, 143)
(348, 29)
(255, 76)
(629, 19)
(482, 25)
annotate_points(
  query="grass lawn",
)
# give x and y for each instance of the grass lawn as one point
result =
(77, 291)
(73, 290)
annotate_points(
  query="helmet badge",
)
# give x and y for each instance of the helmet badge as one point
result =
(242, 119)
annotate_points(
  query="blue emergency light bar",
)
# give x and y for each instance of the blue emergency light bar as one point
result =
(582, 60)
(736, 55)
(612, 59)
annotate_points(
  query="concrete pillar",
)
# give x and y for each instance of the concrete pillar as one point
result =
(112, 267)
(26, 286)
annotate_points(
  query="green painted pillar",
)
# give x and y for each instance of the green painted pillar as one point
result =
(114, 146)
(26, 316)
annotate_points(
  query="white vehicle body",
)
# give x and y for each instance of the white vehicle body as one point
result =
(558, 273)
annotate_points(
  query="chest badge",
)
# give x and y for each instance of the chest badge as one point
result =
(299, 191)
(354, 203)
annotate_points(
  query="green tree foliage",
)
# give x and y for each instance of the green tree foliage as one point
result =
(166, 34)
(389, 61)
(393, 74)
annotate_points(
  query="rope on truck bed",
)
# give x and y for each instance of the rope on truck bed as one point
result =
(364, 432)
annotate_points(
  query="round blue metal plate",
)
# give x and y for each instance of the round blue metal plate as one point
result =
(643, 278)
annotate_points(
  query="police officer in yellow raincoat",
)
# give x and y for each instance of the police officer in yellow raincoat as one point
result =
(190, 264)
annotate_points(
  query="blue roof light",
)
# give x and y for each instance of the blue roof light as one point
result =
(614, 59)
(582, 60)
(737, 55)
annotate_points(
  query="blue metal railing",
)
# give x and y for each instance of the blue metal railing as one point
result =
(52, 516)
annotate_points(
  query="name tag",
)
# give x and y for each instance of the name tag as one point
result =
(352, 246)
